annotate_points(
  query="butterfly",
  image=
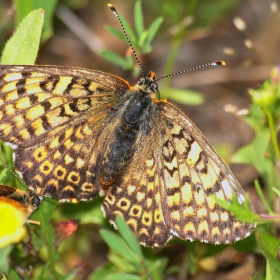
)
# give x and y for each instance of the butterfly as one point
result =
(78, 133)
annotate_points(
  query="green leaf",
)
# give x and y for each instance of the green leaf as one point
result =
(261, 195)
(256, 153)
(43, 271)
(4, 258)
(115, 58)
(242, 212)
(122, 276)
(44, 234)
(153, 29)
(183, 96)
(26, 6)
(22, 48)
(272, 269)
(142, 40)
(13, 275)
(271, 248)
(258, 275)
(256, 118)
(126, 254)
(118, 33)
(116, 244)
(121, 264)
(70, 276)
(102, 272)
(6, 176)
(138, 18)
(269, 244)
(129, 30)
(129, 237)
(156, 268)
(84, 211)
(276, 191)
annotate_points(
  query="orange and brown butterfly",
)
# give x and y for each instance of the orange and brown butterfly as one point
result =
(79, 133)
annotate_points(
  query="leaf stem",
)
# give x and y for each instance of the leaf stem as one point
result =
(272, 131)
(261, 196)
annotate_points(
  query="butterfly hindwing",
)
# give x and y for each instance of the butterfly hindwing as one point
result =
(192, 174)
(136, 197)
(167, 188)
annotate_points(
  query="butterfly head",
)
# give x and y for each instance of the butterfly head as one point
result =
(149, 83)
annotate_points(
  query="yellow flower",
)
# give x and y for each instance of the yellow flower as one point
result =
(12, 228)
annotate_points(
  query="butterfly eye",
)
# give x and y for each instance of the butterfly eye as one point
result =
(141, 81)
(154, 87)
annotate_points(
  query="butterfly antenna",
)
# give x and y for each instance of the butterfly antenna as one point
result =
(215, 63)
(12, 171)
(113, 9)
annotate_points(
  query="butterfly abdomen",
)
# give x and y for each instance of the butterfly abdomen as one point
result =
(121, 149)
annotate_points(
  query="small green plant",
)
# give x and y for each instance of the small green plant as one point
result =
(263, 154)
(126, 259)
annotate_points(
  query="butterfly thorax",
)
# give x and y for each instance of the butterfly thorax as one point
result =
(134, 122)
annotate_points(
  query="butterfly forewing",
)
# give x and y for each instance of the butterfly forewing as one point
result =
(58, 120)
